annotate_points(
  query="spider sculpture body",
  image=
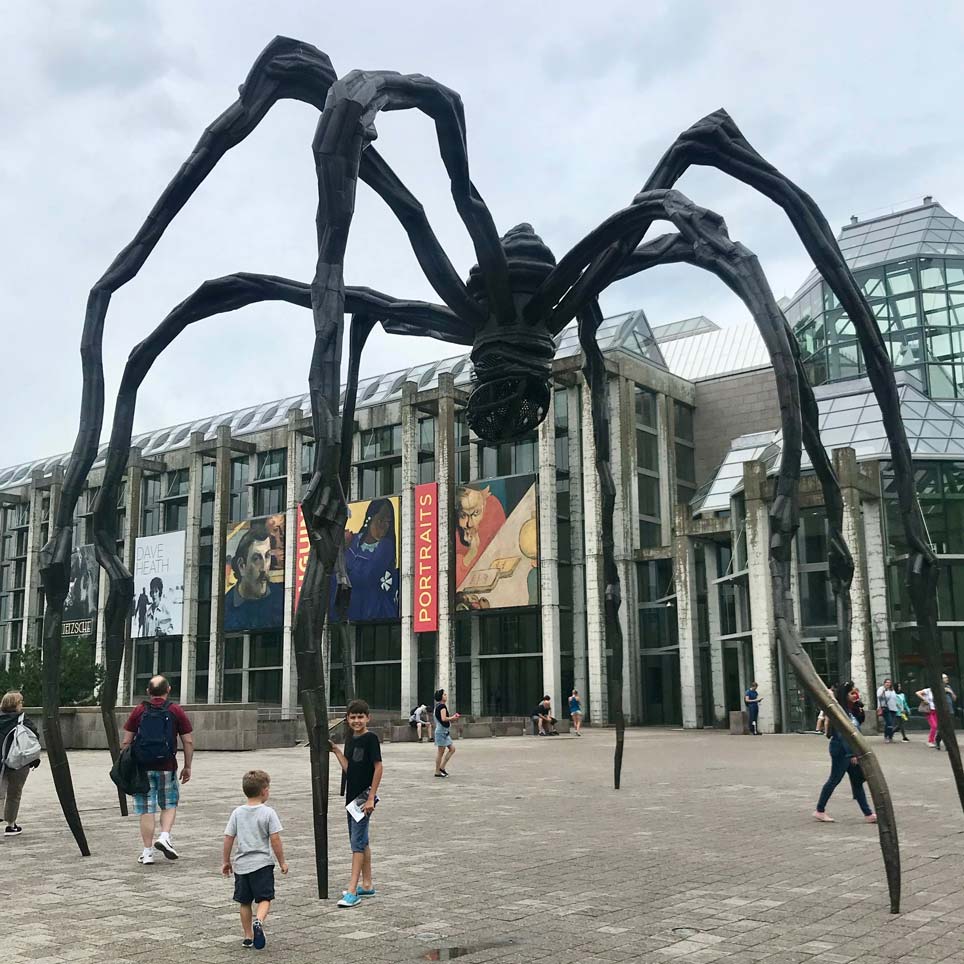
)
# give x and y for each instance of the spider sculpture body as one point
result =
(511, 308)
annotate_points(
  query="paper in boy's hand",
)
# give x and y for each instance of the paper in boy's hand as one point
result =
(357, 807)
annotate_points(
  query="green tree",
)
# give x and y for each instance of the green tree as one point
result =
(80, 675)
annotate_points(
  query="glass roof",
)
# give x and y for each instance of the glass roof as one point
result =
(629, 332)
(849, 416)
(921, 231)
(684, 328)
(711, 352)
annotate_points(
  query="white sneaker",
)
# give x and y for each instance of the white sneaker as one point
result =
(163, 843)
(146, 857)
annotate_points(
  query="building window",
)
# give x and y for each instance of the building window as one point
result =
(238, 496)
(426, 450)
(252, 668)
(685, 452)
(647, 469)
(271, 485)
(380, 467)
(510, 661)
(160, 656)
(378, 664)
(175, 500)
(150, 505)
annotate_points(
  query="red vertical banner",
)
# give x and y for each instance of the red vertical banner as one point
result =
(302, 551)
(426, 558)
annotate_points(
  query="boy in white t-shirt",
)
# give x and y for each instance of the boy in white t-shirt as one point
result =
(256, 829)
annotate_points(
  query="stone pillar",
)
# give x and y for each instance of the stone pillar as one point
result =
(290, 704)
(222, 509)
(684, 560)
(31, 597)
(192, 564)
(132, 527)
(760, 592)
(595, 611)
(626, 533)
(875, 561)
(445, 459)
(577, 469)
(716, 644)
(475, 644)
(549, 561)
(409, 692)
(667, 465)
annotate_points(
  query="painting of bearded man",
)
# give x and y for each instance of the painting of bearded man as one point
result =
(479, 515)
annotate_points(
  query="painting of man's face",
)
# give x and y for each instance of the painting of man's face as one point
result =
(471, 508)
(254, 573)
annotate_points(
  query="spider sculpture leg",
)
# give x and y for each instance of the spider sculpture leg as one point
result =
(594, 369)
(707, 245)
(213, 297)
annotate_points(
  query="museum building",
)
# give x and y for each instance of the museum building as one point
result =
(478, 567)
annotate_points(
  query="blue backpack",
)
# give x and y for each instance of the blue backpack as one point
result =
(156, 740)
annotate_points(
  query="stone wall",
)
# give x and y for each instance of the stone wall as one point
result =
(728, 407)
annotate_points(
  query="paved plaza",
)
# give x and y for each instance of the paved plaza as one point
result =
(708, 853)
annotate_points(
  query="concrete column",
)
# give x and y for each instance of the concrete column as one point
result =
(577, 468)
(684, 562)
(475, 463)
(445, 459)
(100, 635)
(222, 508)
(595, 612)
(409, 695)
(716, 644)
(667, 465)
(35, 541)
(192, 569)
(290, 703)
(760, 591)
(626, 533)
(132, 528)
(549, 561)
(475, 644)
(875, 561)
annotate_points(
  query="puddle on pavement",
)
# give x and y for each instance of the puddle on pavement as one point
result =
(451, 953)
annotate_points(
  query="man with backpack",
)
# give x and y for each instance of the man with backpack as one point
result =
(153, 729)
(19, 753)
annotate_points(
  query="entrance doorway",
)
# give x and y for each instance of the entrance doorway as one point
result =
(659, 680)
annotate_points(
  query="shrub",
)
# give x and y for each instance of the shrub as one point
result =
(79, 674)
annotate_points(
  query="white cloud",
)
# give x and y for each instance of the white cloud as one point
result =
(568, 109)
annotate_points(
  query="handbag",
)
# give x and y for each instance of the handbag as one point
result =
(924, 708)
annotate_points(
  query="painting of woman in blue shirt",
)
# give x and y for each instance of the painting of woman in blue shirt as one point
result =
(372, 564)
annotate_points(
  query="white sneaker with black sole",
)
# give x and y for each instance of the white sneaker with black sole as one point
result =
(146, 857)
(166, 847)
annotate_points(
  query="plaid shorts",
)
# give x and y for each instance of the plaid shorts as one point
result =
(164, 793)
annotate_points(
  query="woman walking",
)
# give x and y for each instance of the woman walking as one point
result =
(843, 760)
(575, 712)
(443, 737)
(903, 712)
(12, 781)
(928, 708)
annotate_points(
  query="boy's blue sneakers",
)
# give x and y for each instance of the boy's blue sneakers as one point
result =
(349, 900)
(362, 892)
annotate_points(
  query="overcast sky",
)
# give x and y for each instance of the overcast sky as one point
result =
(569, 105)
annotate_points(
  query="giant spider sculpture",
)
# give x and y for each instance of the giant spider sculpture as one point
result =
(515, 303)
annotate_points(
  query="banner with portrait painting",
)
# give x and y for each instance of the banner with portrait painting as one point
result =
(497, 544)
(372, 553)
(80, 607)
(158, 604)
(254, 574)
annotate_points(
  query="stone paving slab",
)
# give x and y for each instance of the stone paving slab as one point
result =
(708, 854)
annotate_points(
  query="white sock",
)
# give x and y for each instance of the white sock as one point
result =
(165, 835)
(148, 850)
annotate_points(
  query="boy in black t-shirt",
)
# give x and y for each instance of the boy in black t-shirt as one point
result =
(361, 762)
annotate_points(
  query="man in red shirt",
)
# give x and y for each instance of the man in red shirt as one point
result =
(154, 727)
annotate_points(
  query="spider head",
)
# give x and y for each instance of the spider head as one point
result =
(512, 361)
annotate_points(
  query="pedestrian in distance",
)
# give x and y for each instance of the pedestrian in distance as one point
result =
(152, 730)
(543, 721)
(903, 712)
(928, 709)
(887, 708)
(752, 699)
(361, 764)
(575, 712)
(253, 832)
(419, 718)
(951, 698)
(444, 750)
(16, 761)
(844, 761)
